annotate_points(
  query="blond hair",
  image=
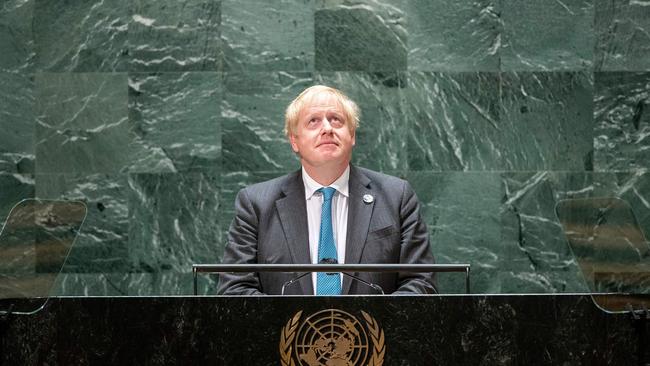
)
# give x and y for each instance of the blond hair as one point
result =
(350, 108)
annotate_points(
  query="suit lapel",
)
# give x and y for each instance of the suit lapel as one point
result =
(359, 214)
(292, 211)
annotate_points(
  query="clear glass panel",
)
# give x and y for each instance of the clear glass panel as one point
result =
(34, 244)
(610, 248)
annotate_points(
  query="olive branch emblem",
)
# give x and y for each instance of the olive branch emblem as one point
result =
(287, 335)
(377, 335)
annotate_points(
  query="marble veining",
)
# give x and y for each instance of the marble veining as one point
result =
(155, 113)
(622, 117)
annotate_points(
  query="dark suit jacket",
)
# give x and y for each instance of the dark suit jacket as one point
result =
(270, 226)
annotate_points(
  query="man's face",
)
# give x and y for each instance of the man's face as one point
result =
(323, 136)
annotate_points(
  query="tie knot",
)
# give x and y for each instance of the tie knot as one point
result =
(328, 193)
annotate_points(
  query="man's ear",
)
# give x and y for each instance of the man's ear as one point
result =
(294, 145)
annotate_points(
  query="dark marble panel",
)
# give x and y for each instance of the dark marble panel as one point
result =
(173, 222)
(546, 121)
(17, 123)
(547, 35)
(622, 30)
(101, 246)
(268, 35)
(622, 121)
(464, 226)
(175, 35)
(17, 39)
(81, 36)
(360, 35)
(175, 118)
(253, 120)
(381, 136)
(453, 35)
(428, 330)
(530, 225)
(453, 121)
(13, 189)
(82, 123)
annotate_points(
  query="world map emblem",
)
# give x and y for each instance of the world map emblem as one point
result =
(332, 337)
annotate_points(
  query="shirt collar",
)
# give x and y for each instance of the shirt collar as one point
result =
(341, 184)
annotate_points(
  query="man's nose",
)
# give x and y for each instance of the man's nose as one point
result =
(327, 126)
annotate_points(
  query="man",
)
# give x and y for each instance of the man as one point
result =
(327, 212)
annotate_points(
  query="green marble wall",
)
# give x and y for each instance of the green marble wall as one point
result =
(156, 112)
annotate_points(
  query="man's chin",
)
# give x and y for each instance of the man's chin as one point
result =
(329, 161)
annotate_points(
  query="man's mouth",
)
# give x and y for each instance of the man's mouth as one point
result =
(328, 143)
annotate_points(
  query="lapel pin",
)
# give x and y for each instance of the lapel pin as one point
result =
(368, 198)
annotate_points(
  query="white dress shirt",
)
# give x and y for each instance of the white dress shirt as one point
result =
(339, 215)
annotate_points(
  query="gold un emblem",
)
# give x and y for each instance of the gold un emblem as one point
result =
(332, 338)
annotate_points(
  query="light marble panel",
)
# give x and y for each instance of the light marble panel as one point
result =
(622, 32)
(17, 123)
(82, 124)
(81, 36)
(453, 121)
(16, 36)
(465, 233)
(360, 35)
(547, 35)
(175, 35)
(546, 121)
(268, 36)
(461, 35)
(173, 221)
(175, 118)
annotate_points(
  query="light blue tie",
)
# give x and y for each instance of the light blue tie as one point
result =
(327, 284)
